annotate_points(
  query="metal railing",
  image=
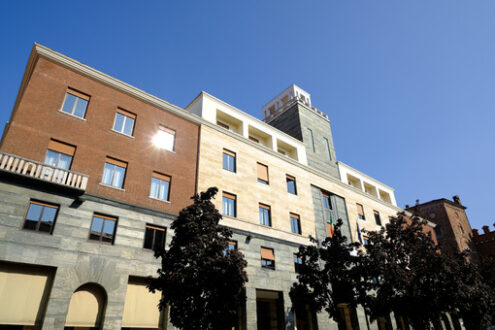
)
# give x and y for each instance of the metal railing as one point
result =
(30, 168)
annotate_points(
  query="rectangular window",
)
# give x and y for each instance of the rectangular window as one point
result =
(228, 204)
(232, 245)
(365, 241)
(267, 258)
(40, 217)
(262, 173)
(103, 228)
(160, 186)
(360, 211)
(297, 262)
(124, 122)
(265, 217)
(291, 184)
(327, 203)
(311, 139)
(59, 154)
(295, 223)
(221, 124)
(75, 103)
(165, 138)
(252, 138)
(114, 172)
(378, 220)
(329, 151)
(229, 160)
(154, 237)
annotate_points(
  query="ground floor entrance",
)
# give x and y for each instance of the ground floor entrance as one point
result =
(269, 310)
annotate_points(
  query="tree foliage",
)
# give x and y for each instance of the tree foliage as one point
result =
(326, 276)
(201, 280)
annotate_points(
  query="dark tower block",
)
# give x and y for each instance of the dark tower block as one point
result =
(291, 112)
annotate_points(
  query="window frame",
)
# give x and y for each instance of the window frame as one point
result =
(61, 148)
(225, 156)
(38, 223)
(269, 212)
(360, 207)
(161, 178)
(311, 136)
(116, 163)
(170, 131)
(326, 196)
(289, 178)
(298, 223)
(105, 218)
(78, 95)
(296, 257)
(260, 166)
(226, 195)
(378, 219)
(127, 115)
(268, 263)
(155, 228)
(329, 152)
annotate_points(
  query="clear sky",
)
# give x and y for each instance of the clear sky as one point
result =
(409, 85)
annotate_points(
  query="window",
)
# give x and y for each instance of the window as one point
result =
(311, 139)
(222, 124)
(40, 217)
(229, 160)
(124, 122)
(329, 151)
(114, 173)
(297, 262)
(75, 103)
(232, 245)
(228, 204)
(327, 203)
(267, 258)
(438, 231)
(360, 211)
(265, 218)
(295, 224)
(154, 237)
(291, 184)
(378, 220)
(365, 241)
(262, 173)
(160, 186)
(59, 154)
(103, 228)
(165, 138)
(252, 138)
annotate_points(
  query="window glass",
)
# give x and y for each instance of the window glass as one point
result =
(123, 124)
(360, 212)
(160, 187)
(326, 201)
(40, 217)
(165, 138)
(295, 225)
(58, 159)
(262, 173)
(103, 229)
(119, 122)
(228, 161)
(291, 185)
(154, 237)
(75, 104)
(228, 205)
(113, 175)
(264, 212)
(378, 220)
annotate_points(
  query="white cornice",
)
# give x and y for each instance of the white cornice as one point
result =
(366, 176)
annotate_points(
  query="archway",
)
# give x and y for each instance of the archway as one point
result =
(86, 308)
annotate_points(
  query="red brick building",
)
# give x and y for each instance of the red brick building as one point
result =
(484, 244)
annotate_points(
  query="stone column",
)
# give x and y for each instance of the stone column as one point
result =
(58, 303)
(251, 317)
(288, 313)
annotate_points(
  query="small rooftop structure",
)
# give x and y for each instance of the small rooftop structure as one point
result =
(285, 100)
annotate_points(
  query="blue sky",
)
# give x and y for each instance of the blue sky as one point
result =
(409, 85)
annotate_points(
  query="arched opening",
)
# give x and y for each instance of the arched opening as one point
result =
(86, 308)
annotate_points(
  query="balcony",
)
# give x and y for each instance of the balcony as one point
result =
(46, 173)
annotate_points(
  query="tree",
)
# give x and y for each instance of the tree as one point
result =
(407, 273)
(200, 278)
(326, 277)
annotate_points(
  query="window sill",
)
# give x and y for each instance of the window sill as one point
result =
(120, 133)
(234, 172)
(37, 231)
(160, 200)
(113, 187)
(100, 242)
(71, 115)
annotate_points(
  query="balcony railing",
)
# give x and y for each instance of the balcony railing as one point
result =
(30, 168)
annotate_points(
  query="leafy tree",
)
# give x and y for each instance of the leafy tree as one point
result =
(326, 277)
(200, 278)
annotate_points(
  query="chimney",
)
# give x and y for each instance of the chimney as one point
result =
(486, 229)
(457, 200)
(417, 201)
(407, 206)
(475, 232)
